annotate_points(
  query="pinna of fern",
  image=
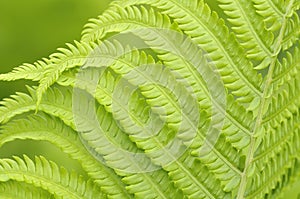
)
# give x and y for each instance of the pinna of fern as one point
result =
(188, 105)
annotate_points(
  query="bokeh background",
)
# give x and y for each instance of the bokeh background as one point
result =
(29, 31)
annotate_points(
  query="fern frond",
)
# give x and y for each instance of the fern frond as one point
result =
(57, 101)
(250, 30)
(292, 33)
(149, 142)
(272, 11)
(23, 103)
(201, 32)
(259, 131)
(188, 105)
(111, 147)
(65, 109)
(32, 72)
(272, 177)
(93, 138)
(43, 127)
(155, 143)
(16, 104)
(68, 58)
(174, 62)
(121, 107)
(287, 67)
(157, 97)
(285, 111)
(22, 190)
(48, 176)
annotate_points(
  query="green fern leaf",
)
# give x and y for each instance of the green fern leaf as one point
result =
(27, 71)
(22, 190)
(166, 99)
(43, 127)
(47, 175)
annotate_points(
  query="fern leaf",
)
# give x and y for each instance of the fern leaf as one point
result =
(63, 109)
(123, 118)
(285, 114)
(259, 131)
(27, 71)
(174, 62)
(188, 105)
(22, 103)
(292, 32)
(199, 32)
(250, 30)
(68, 58)
(22, 190)
(131, 127)
(128, 126)
(98, 137)
(48, 176)
(43, 127)
(272, 11)
(286, 68)
(17, 104)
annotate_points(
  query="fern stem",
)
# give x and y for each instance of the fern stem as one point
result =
(259, 120)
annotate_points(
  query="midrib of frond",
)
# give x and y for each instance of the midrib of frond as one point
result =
(188, 66)
(258, 122)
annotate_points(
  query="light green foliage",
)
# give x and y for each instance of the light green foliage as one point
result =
(200, 100)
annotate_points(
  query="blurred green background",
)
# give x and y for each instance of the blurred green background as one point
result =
(29, 31)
